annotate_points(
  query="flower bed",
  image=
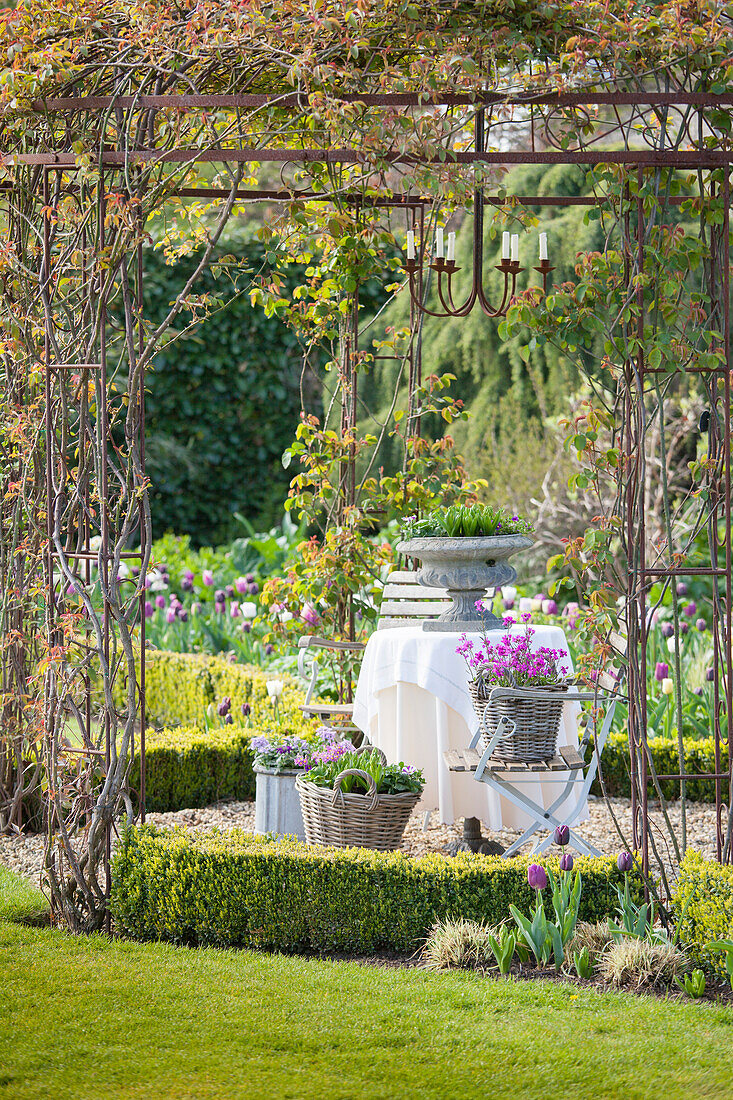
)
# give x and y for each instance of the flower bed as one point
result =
(232, 889)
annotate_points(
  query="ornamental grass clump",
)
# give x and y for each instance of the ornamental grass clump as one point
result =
(637, 963)
(465, 521)
(459, 943)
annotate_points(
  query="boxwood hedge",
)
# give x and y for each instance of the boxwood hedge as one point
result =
(180, 686)
(231, 889)
(699, 757)
(703, 898)
(187, 766)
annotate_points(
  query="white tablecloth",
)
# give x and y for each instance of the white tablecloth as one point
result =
(412, 701)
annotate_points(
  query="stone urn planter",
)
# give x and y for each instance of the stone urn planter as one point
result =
(277, 805)
(466, 567)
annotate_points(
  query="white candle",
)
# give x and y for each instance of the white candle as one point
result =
(410, 244)
(543, 246)
(515, 248)
(505, 246)
(439, 244)
(451, 248)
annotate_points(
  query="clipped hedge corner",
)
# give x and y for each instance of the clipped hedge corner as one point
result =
(188, 767)
(703, 900)
(231, 889)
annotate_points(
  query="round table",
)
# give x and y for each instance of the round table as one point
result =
(412, 701)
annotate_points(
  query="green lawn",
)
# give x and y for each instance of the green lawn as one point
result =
(19, 901)
(83, 1017)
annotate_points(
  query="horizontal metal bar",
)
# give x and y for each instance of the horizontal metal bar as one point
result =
(681, 571)
(110, 158)
(295, 100)
(93, 554)
(697, 775)
(73, 366)
(412, 200)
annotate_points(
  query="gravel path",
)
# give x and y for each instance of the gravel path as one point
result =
(24, 854)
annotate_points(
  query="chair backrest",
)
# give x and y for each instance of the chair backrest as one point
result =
(406, 602)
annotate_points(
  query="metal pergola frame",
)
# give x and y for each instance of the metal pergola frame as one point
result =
(633, 160)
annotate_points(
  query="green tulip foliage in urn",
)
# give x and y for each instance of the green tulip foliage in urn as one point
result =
(464, 549)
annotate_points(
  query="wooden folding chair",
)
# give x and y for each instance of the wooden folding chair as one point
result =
(569, 768)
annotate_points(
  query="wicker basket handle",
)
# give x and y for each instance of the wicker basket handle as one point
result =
(338, 794)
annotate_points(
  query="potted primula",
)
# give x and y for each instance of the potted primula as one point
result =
(511, 662)
(464, 548)
(358, 800)
(279, 759)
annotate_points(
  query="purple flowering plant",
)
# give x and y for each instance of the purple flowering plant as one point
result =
(511, 661)
(285, 751)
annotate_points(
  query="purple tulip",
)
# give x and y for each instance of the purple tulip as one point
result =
(170, 615)
(219, 608)
(684, 628)
(135, 570)
(681, 589)
(536, 876)
(160, 600)
(667, 630)
(710, 675)
(162, 568)
(246, 627)
(549, 607)
(182, 614)
(625, 862)
(228, 720)
(220, 595)
(196, 608)
(234, 609)
(252, 588)
(224, 706)
(147, 582)
(246, 710)
(562, 835)
(207, 577)
(698, 691)
(701, 625)
(508, 604)
(148, 609)
(241, 585)
(230, 591)
(566, 862)
(661, 672)
(187, 584)
(690, 609)
(188, 574)
(249, 578)
(540, 596)
(269, 650)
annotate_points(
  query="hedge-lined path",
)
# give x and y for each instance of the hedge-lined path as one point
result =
(24, 854)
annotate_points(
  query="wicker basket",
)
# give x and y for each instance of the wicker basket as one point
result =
(537, 722)
(340, 820)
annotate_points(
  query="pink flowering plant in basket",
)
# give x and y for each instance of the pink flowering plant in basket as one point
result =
(511, 661)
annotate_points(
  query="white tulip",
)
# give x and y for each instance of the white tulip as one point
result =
(285, 616)
(508, 593)
(525, 605)
(275, 688)
(667, 686)
(249, 610)
(671, 644)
